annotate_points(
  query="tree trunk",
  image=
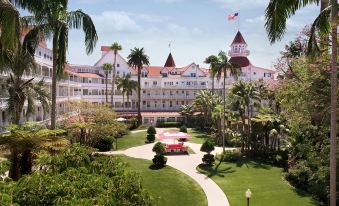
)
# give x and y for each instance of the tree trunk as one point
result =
(139, 97)
(113, 78)
(212, 84)
(223, 113)
(123, 102)
(54, 79)
(334, 88)
(106, 88)
(14, 171)
(26, 162)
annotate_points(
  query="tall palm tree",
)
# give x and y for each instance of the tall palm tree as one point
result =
(126, 85)
(107, 67)
(53, 20)
(115, 47)
(137, 59)
(277, 13)
(224, 66)
(213, 62)
(23, 140)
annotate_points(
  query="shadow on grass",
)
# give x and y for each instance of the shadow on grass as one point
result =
(241, 161)
(211, 171)
(155, 167)
(176, 153)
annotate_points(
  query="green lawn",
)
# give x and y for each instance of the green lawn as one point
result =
(198, 137)
(167, 186)
(266, 183)
(132, 140)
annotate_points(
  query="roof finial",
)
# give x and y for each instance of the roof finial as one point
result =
(170, 46)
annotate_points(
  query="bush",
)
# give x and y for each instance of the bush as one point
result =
(151, 134)
(183, 129)
(105, 144)
(150, 138)
(208, 146)
(159, 160)
(168, 124)
(231, 156)
(159, 148)
(208, 159)
(133, 123)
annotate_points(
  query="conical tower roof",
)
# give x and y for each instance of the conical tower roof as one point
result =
(239, 39)
(170, 61)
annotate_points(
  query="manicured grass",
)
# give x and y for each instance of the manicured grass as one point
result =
(132, 140)
(198, 137)
(266, 183)
(167, 186)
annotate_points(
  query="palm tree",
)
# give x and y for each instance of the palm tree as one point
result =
(23, 140)
(186, 111)
(114, 47)
(213, 62)
(277, 13)
(107, 67)
(126, 85)
(54, 20)
(225, 66)
(132, 86)
(137, 59)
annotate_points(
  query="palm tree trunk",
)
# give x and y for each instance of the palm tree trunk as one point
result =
(106, 88)
(123, 102)
(139, 97)
(26, 162)
(212, 84)
(223, 113)
(54, 79)
(113, 78)
(14, 171)
(334, 87)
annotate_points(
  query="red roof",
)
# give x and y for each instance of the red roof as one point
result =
(154, 71)
(170, 61)
(241, 61)
(239, 39)
(105, 48)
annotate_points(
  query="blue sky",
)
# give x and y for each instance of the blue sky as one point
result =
(196, 28)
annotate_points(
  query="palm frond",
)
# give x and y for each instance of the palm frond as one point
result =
(9, 25)
(80, 20)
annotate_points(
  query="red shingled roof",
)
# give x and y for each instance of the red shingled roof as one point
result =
(239, 39)
(154, 71)
(105, 48)
(170, 61)
(241, 61)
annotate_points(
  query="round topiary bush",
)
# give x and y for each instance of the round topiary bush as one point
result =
(159, 159)
(208, 159)
(183, 129)
(208, 147)
(150, 138)
(105, 144)
(151, 134)
(151, 130)
(159, 148)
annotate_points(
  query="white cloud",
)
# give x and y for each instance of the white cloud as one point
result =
(115, 21)
(241, 4)
(256, 19)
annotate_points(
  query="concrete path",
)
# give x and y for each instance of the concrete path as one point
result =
(186, 164)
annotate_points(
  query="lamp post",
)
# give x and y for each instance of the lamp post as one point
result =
(248, 195)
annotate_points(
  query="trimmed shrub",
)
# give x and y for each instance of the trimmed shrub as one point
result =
(183, 129)
(208, 159)
(105, 144)
(231, 156)
(151, 134)
(159, 148)
(159, 160)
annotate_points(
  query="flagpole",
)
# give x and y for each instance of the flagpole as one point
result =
(238, 21)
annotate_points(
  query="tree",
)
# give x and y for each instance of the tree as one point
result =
(137, 59)
(208, 147)
(151, 134)
(23, 140)
(224, 67)
(52, 19)
(213, 62)
(126, 85)
(23, 91)
(107, 67)
(115, 47)
(277, 13)
(186, 111)
(159, 159)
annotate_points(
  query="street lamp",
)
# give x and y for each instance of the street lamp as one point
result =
(248, 195)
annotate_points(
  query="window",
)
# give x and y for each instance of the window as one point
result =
(193, 75)
(254, 73)
(39, 53)
(3, 116)
(85, 91)
(155, 83)
(164, 75)
(118, 65)
(143, 102)
(203, 83)
(267, 74)
(171, 104)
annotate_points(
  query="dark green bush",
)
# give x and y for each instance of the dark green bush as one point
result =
(159, 148)
(183, 129)
(105, 144)
(150, 137)
(231, 156)
(208, 146)
(159, 160)
(151, 134)
(208, 159)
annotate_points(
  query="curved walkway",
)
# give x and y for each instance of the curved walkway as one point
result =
(186, 164)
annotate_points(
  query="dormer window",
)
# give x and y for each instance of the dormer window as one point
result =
(164, 75)
(193, 75)
(143, 74)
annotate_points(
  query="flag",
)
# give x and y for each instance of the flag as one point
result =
(233, 16)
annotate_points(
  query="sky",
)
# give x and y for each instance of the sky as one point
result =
(195, 29)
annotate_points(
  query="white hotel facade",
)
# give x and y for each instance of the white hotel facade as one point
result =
(164, 88)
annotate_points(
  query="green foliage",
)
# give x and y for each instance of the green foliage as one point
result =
(105, 144)
(151, 130)
(159, 161)
(168, 124)
(208, 146)
(159, 148)
(183, 129)
(231, 156)
(80, 178)
(208, 159)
